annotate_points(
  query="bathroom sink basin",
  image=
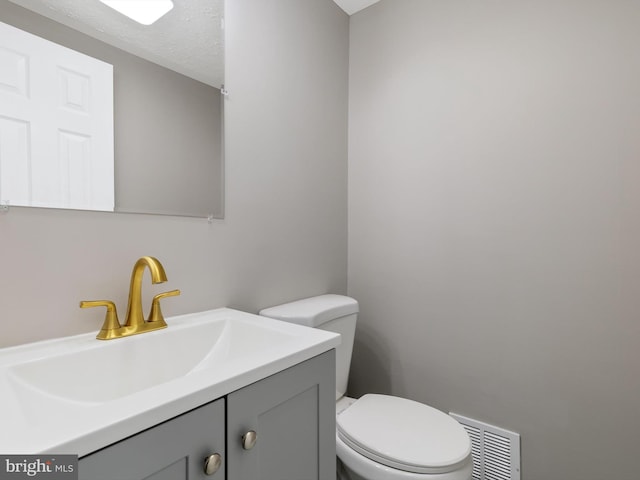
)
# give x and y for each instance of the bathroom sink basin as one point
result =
(105, 371)
(78, 394)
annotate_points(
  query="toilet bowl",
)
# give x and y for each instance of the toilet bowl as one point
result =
(381, 437)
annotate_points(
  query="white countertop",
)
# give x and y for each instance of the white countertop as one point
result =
(41, 418)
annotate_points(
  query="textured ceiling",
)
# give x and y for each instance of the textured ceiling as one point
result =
(188, 39)
(353, 6)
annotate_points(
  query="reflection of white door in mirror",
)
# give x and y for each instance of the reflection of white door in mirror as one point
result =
(56, 125)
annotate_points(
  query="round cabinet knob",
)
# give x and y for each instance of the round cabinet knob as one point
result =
(212, 463)
(249, 440)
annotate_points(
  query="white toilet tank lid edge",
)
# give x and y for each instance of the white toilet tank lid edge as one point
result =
(313, 311)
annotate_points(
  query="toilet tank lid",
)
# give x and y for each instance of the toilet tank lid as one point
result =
(314, 311)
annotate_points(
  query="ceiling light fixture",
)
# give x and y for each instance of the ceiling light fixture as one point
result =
(142, 11)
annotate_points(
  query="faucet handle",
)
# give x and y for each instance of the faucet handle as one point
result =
(156, 314)
(111, 323)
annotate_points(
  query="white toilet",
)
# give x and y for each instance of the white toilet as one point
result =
(381, 437)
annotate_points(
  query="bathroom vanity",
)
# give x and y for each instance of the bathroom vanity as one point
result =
(219, 394)
(277, 428)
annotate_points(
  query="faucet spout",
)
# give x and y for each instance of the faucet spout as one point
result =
(135, 322)
(135, 317)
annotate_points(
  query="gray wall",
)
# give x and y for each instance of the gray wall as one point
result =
(494, 220)
(285, 231)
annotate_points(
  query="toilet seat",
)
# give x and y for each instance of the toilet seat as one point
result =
(404, 435)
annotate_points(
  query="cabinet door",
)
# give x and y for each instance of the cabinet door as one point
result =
(173, 450)
(293, 415)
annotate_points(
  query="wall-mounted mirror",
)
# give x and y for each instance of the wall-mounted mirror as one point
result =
(168, 109)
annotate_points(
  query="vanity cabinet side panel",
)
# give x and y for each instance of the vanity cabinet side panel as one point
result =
(293, 414)
(173, 450)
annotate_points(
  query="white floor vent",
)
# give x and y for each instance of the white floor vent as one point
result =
(495, 451)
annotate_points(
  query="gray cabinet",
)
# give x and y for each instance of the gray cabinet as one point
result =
(291, 413)
(173, 450)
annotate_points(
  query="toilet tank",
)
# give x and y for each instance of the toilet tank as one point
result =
(335, 313)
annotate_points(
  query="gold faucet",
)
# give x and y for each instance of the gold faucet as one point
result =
(135, 322)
